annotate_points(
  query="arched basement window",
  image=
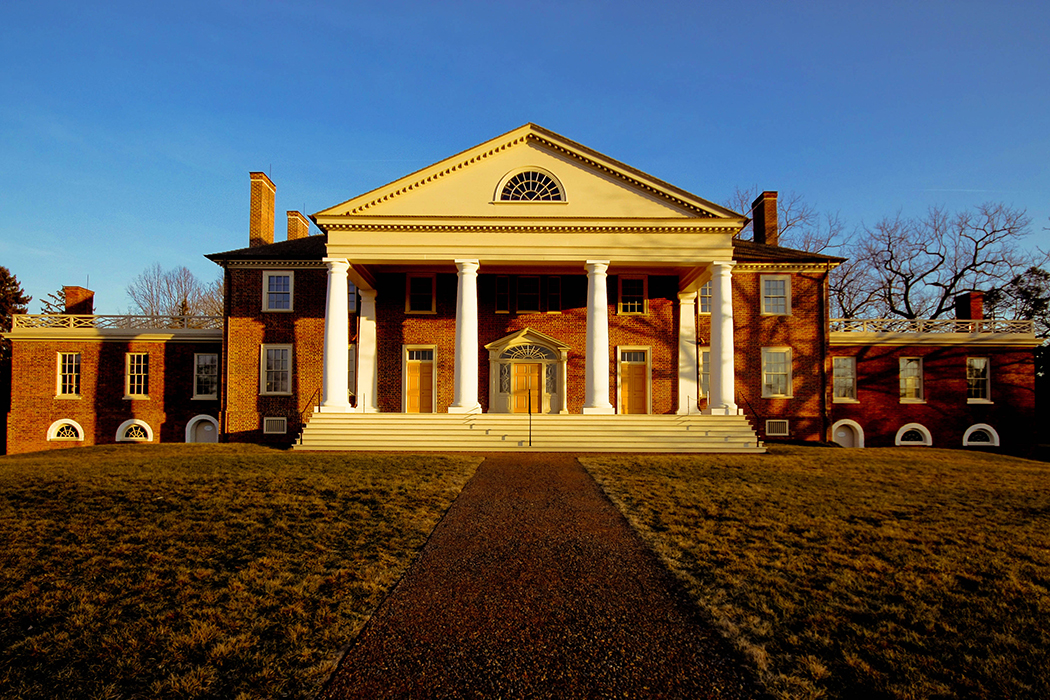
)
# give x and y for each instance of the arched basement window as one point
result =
(65, 429)
(531, 186)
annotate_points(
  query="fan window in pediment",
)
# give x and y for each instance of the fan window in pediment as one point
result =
(527, 352)
(531, 186)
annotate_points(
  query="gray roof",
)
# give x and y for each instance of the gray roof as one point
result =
(308, 248)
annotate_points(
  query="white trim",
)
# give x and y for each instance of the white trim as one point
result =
(267, 274)
(133, 422)
(790, 372)
(648, 350)
(987, 398)
(762, 279)
(262, 368)
(844, 399)
(404, 375)
(846, 422)
(921, 398)
(127, 376)
(58, 375)
(195, 367)
(913, 426)
(619, 295)
(191, 427)
(980, 426)
(53, 429)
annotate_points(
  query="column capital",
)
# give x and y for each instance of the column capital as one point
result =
(598, 266)
(686, 297)
(367, 294)
(722, 266)
(336, 264)
(467, 265)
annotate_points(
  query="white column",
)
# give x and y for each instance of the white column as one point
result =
(334, 397)
(367, 370)
(596, 394)
(723, 375)
(465, 393)
(687, 384)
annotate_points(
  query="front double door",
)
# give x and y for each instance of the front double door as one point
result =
(419, 382)
(527, 387)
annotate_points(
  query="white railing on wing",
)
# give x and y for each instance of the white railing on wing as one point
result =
(926, 325)
(38, 321)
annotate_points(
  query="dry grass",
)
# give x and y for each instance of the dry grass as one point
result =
(894, 573)
(197, 571)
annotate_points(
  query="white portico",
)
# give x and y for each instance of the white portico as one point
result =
(536, 209)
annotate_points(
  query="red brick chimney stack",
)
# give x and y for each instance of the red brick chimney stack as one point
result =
(298, 226)
(969, 306)
(79, 301)
(260, 223)
(764, 219)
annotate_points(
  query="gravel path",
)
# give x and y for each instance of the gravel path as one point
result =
(534, 586)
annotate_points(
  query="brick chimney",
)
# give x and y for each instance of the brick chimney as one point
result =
(79, 301)
(969, 306)
(298, 226)
(764, 219)
(260, 222)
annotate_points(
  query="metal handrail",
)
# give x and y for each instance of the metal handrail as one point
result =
(302, 413)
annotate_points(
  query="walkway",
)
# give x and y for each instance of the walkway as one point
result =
(534, 586)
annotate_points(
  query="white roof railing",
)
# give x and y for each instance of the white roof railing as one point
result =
(936, 325)
(122, 322)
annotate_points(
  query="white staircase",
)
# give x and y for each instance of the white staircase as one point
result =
(495, 432)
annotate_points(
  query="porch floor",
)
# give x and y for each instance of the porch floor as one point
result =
(494, 432)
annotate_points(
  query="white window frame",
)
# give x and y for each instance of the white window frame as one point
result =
(921, 398)
(60, 384)
(921, 429)
(351, 370)
(645, 295)
(127, 375)
(786, 279)
(981, 426)
(262, 368)
(835, 398)
(789, 359)
(267, 274)
(196, 374)
(987, 398)
(120, 437)
(351, 297)
(405, 349)
(705, 295)
(433, 292)
(52, 431)
(704, 371)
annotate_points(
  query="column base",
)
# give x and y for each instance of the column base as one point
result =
(476, 408)
(335, 408)
(599, 410)
(723, 410)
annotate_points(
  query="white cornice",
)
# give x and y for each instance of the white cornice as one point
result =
(184, 335)
(1016, 340)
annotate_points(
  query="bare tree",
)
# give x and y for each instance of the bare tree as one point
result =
(918, 266)
(176, 292)
(54, 303)
(801, 226)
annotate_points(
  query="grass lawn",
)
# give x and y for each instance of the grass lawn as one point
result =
(892, 573)
(162, 571)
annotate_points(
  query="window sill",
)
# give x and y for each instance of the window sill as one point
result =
(136, 397)
(275, 393)
(838, 400)
(985, 401)
(913, 401)
(210, 397)
(632, 313)
(420, 313)
(773, 313)
(555, 313)
(68, 397)
(278, 311)
(778, 396)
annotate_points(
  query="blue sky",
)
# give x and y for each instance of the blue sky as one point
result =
(128, 129)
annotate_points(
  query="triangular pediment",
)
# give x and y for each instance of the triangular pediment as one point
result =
(526, 336)
(468, 185)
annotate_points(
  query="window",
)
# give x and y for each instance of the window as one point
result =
(981, 435)
(206, 376)
(421, 355)
(705, 373)
(65, 430)
(503, 294)
(69, 374)
(977, 384)
(776, 372)
(276, 369)
(632, 294)
(136, 376)
(911, 379)
(844, 379)
(705, 298)
(419, 297)
(528, 294)
(134, 430)
(351, 370)
(913, 434)
(531, 186)
(351, 297)
(776, 295)
(277, 291)
(553, 295)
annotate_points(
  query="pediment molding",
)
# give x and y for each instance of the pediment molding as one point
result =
(430, 226)
(525, 135)
(526, 336)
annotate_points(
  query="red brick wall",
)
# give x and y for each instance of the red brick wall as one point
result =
(101, 407)
(248, 328)
(946, 412)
